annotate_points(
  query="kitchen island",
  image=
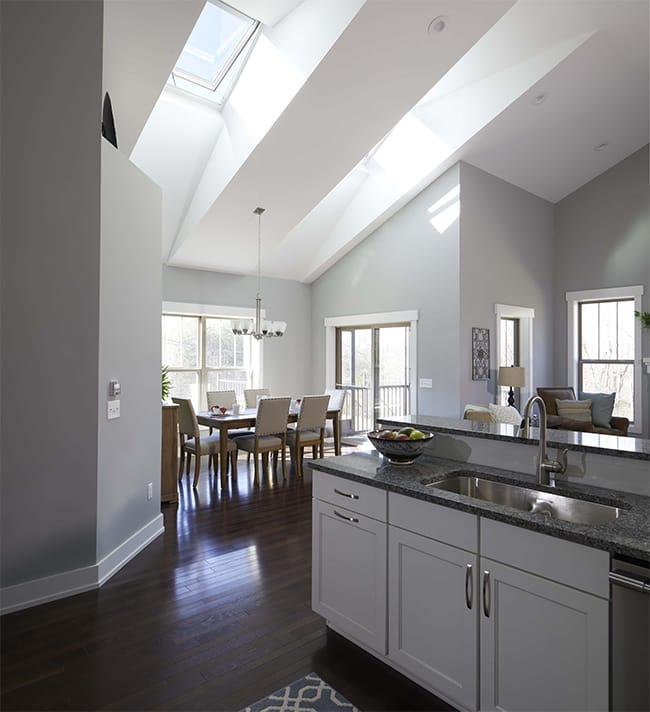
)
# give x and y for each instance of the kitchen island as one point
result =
(486, 606)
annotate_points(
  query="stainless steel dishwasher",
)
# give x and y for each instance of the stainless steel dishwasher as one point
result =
(630, 635)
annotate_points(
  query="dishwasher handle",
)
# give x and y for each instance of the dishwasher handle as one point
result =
(632, 582)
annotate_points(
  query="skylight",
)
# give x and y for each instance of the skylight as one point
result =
(214, 51)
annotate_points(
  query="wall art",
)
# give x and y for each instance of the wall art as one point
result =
(480, 354)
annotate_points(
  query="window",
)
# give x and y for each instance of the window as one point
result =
(514, 347)
(606, 359)
(215, 52)
(203, 355)
(508, 354)
(605, 347)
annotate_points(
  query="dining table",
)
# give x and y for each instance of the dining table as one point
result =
(246, 419)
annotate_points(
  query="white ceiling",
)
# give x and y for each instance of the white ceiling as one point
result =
(329, 79)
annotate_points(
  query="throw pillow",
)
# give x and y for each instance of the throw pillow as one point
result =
(579, 410)
(602, 407)
(505, 414)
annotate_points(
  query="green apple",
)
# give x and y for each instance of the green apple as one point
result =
(416, 435)
(406, 430)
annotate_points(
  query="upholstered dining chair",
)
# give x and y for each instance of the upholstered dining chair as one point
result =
(337, 401)
(269, 434)
(221, 398)
(192, 443)
(250, 396)
(309, 430)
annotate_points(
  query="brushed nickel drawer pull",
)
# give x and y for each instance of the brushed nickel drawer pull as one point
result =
(487, 596)
(469, 586)
(347, 519)
(345, 494)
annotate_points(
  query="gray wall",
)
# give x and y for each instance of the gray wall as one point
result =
(129, 350)
(287, 360)
(404, 264)
(50, 285)
(506, 257)
(602, 233)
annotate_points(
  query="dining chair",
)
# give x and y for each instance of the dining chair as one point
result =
(309, 430)
(269, 434)
(337, 401)
(250, 396)
(221, 398)
(191, 442)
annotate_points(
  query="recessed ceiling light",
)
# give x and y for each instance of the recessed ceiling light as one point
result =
(540, 99)
(601, 146)
(438, 24)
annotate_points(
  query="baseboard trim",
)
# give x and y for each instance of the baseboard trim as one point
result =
(121, 556)
(70, 583)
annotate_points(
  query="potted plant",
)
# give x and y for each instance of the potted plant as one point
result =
(644, 317)
(166, 383)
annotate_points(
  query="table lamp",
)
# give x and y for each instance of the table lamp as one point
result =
(512, 376)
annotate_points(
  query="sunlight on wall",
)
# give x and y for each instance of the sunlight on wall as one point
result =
(267, 85)
(410, 152)
(446, 210)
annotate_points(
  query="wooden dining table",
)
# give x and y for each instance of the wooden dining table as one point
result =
(247, 419)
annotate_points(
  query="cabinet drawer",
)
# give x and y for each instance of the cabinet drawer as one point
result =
(450, 526)
(354, 496)
(563, 561)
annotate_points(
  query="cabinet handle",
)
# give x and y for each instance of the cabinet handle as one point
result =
(347, 519)
(345, 494)
(469, 586)
(487, 596)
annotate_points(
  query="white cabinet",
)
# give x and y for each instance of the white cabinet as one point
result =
(543, 645)
(544, 622)
(433, 614)
(349, 554)
(517, 623)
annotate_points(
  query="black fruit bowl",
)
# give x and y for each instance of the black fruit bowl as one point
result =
(400, 452)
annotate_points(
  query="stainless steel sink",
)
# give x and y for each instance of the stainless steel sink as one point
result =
(554, 506)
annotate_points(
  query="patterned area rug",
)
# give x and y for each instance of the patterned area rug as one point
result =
(309, 694)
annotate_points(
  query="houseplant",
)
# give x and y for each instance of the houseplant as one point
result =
(644, 317)
(166, 383)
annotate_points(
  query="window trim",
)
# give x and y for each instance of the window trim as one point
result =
(573, 352)
(526, 317)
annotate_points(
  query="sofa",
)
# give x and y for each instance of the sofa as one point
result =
(602, 403)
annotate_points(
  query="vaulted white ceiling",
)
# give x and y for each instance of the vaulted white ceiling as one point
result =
(524, 90)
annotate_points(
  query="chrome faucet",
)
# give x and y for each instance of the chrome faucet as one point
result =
(546, 468)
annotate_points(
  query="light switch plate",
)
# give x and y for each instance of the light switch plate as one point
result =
(113, 409)
(426, 383)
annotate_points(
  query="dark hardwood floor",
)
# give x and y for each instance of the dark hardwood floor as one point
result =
(213, 615)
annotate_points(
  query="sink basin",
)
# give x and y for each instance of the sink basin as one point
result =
(554, 506)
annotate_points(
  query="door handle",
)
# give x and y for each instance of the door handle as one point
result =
(487, 594)
(469, 586)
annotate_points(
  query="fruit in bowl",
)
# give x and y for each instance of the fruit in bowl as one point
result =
(400, 446)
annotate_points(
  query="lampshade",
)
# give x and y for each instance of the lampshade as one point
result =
(514, 376)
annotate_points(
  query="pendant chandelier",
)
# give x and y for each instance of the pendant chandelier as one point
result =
(261, 329)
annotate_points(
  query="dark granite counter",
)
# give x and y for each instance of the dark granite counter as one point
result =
(628, 535)
(635, 448)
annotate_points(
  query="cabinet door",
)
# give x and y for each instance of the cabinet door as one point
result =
(543, 645)
(349, 572)
(433, 614)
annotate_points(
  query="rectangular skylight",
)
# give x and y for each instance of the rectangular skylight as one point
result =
(220, 35)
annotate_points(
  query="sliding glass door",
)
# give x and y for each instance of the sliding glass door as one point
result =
(373, 365)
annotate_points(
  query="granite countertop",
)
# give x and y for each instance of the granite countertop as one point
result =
(628, 535)
(635, 448)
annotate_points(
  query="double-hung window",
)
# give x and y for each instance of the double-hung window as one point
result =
(202, 354)
(605, 347)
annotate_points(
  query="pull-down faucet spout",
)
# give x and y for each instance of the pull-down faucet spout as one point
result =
(545, 467)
